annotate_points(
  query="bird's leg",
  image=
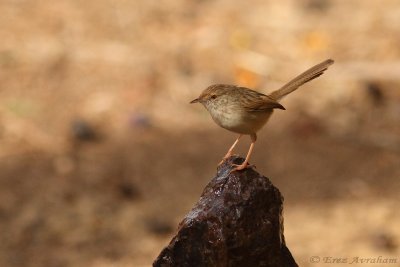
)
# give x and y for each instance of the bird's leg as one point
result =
(245, 165)
(229, 153)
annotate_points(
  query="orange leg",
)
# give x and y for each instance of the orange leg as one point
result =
(230, 150)
(245, 165)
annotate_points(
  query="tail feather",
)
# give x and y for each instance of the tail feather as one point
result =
(306, 76)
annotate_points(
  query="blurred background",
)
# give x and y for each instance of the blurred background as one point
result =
(101, 154)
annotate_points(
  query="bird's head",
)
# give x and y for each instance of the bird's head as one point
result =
(212, 94)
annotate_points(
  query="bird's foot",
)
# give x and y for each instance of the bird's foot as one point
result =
(242, 166)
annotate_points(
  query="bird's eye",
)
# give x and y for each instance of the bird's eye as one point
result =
(213, 97)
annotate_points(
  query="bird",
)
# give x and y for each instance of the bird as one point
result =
(245, 111)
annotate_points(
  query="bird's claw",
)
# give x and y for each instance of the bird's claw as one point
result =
(240, 167)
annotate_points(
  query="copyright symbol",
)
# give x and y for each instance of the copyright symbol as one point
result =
(315, 259)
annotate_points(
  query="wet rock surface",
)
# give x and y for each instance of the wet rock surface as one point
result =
(237, 222)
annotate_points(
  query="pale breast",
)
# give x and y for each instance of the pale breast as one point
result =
(239, 121)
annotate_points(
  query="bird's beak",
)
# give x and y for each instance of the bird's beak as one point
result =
(194, 101)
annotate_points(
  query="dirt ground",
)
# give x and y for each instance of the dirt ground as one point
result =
(101, 155)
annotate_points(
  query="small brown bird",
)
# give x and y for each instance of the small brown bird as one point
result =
(245, 111)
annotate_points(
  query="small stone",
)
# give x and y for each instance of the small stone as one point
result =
(83, 131)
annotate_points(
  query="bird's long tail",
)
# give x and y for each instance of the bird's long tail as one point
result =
(306, 76)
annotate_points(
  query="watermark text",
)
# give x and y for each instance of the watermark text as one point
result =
(354, 260)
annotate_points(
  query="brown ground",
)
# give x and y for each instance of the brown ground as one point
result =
(101, 155)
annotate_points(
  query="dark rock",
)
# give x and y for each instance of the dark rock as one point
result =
(237, 222)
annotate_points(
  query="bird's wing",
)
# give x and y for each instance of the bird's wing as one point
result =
(255, 101)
